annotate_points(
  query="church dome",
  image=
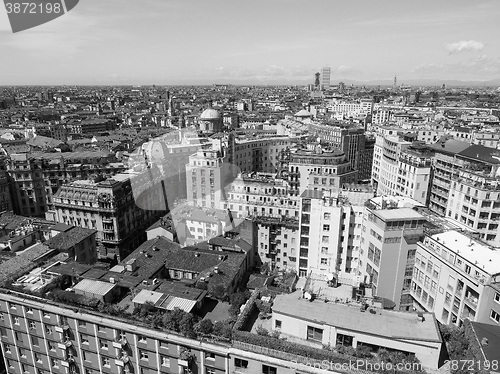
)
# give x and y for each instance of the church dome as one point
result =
(210, 114)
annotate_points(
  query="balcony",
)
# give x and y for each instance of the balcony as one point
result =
(120, 342)
(122, 360)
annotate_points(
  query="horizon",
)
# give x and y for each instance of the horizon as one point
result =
(283, 42)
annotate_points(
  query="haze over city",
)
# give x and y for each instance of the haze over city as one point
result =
(256, 42)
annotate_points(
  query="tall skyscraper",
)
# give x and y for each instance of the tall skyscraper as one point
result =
(325, 77)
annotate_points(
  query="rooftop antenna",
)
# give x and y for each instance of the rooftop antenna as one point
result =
(395, 80)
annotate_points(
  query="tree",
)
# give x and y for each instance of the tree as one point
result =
(260, 330)
(186, 325)
(205, 327)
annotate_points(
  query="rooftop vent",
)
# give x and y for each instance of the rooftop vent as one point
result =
(196, 254)
(484, 341)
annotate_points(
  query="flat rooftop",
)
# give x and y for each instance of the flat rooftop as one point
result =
(482, 255)
(398, 214)
(385, 323)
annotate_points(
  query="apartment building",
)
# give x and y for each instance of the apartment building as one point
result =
(330, 232)
(5, 195)
(444, 166)
(91, 126)
(207, 176)
(36, 177)
(352, 141)
(277, 241)
(112, 207)
(259, 154)
(261, 194)
(456, 276)
(329, 324)
(391, 230)
(414, 173)
(315, 168)
(386, 157)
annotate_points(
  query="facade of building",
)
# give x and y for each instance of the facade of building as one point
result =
(36, 177)
(386, 156)
(414, 174)
(457, 277)
(329, 324)
(325, 77)
(112, 208)
(207, 178)
(317, 169)
(388, 245)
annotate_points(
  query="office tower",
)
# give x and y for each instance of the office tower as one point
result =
(457, 277)
(325, 77)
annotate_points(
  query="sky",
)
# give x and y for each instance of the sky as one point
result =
(163, 42)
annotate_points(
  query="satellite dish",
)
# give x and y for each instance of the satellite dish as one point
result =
(330, 277)
(307, 296)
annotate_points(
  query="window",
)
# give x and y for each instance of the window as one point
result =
(277, 324)
(210, 371)
(314, 333)
(326, 227)
(37, 357)
(269, 369)
(51, 346)
(15, 320)
(88, 371)
(497, 297)
(32, 325)
(100, 328)
(34, 341)
(143, 355)
(84, 339)
(105, 362)
(48, 330)
(6, 348)
(142, 339)
(324, 261)
(82, 323)
(240, 363)
(29, 310)
(165, 361)
(103, 344)
(325, 239)
(210, 356)
(53, 362)
(495, 316)
(46, 315)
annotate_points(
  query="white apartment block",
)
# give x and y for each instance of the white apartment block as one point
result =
(386, 156)
(457, 277)
(388, 243)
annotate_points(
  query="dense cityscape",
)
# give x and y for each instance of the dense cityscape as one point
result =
(249, 229)
(249, 187)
